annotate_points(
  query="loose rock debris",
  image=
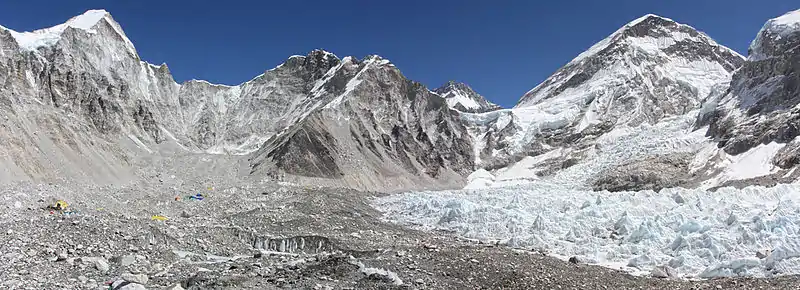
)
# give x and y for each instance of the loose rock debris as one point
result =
(293, 238)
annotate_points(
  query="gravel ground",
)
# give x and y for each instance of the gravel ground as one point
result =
(250, 235)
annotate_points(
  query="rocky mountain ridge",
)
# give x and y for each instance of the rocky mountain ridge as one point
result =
(79, 102)
(651, 70)
(86, 73)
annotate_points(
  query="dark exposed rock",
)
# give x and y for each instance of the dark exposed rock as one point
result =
(308, 151)
(653, 173)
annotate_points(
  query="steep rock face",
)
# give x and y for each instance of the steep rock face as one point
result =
(754, 120)
(67, 110)
(495, 136)
(462, 98)
(93, 71)
(761, 104)
(379, 130)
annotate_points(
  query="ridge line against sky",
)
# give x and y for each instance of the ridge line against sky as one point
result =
(500, 48)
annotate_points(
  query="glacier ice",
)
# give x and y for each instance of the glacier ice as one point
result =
(701, 234)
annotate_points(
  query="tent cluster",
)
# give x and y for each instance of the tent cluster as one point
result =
(60, 206)
(198, 196)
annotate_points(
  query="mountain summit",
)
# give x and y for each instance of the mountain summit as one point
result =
(649, 69)
(87, 22)
(461, 97)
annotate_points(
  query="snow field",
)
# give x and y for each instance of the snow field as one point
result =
(785, 24)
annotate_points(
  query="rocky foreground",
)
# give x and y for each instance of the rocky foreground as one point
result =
(245, 235)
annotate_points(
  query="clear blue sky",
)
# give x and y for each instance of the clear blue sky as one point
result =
(502, 48)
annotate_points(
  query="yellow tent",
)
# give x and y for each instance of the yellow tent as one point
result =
(60, 205)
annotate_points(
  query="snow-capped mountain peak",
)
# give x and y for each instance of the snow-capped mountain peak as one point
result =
(784, 24)
(651, 68)
(649, 72)
(461, 97)
(603, 44)
(653, 32)
(87, 21)
(319, 54)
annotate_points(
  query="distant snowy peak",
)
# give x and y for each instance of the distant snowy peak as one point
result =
(87, 21)
(461, 97)
(775, 34)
